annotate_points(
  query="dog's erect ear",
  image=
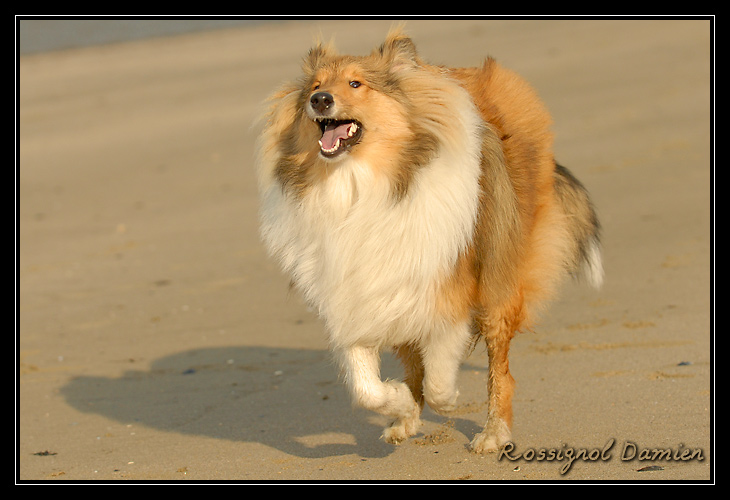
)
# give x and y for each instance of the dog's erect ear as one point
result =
(399, 50)
(316, 56)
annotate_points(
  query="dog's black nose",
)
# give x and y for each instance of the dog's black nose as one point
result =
(321, 101)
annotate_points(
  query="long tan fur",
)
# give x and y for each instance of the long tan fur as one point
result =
(433, 210)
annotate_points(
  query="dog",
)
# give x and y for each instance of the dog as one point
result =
(418, 207)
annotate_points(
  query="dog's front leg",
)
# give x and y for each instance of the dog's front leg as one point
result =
(497, 431)
(361, 366)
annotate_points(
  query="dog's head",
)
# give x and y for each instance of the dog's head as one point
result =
(387, 111)
(358, 100)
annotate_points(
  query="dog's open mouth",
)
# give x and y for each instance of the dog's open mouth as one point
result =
(338, 136)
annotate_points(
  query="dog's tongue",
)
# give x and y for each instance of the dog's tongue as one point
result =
(332, 132)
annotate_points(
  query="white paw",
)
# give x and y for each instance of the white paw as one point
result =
(492, 438)
(402, 429)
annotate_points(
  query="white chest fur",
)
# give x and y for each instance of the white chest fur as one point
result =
(369, 264)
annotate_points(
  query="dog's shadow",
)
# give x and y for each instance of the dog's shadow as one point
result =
(290, 399)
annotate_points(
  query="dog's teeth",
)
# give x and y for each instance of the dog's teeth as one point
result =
(351, 131)
(334, 148)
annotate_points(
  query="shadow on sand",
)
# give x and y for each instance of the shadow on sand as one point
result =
(285, 398)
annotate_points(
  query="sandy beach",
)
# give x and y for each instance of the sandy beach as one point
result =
(156, 341)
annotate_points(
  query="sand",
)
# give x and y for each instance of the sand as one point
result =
(156, 341)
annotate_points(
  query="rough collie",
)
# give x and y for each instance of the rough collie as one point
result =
(417, 207)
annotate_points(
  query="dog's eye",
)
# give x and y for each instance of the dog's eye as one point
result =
(355, 84)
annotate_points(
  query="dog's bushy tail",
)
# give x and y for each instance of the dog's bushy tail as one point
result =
(585, 259)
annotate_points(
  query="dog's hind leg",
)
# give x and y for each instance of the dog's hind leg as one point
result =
(412, 361)
(391, 398)
(443, 352)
